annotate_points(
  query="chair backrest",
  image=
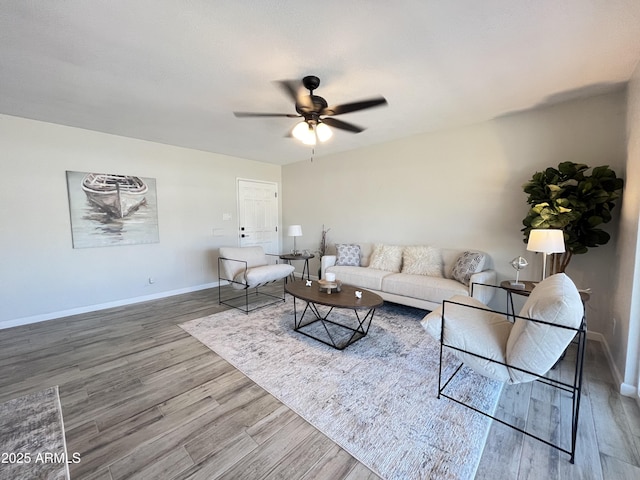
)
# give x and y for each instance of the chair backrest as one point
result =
(537, 347)
(254, 256)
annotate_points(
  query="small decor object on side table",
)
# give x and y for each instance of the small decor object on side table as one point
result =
(518, 263)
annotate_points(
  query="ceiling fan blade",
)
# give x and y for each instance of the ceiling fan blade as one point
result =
(333, 122)
(258, 114)
(293, 88)
(354, 107)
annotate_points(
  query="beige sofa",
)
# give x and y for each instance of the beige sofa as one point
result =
(422, 278)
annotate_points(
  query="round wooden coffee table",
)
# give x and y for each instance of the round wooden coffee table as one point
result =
(336, 333)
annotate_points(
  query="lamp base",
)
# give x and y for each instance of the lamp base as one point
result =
(516, 285)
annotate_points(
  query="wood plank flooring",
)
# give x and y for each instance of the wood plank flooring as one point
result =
(142, 399)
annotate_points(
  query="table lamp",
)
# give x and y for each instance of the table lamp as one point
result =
(546, 241)
(295, 231)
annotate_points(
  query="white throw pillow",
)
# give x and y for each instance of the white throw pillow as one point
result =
(347, 254)
(422, 260)
(466, 265)
(386, 257)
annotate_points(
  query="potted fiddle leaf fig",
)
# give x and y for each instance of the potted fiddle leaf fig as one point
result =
(578, 203)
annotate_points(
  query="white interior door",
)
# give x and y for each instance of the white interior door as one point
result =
(258, 214)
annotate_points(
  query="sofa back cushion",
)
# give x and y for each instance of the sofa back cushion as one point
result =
(386, 257)
(537, 347)
(422, 260)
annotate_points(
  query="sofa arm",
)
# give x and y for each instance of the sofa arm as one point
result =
(482, 292)
(325, 262)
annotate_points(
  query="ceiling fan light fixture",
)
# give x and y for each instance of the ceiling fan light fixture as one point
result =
(304, 132)
(323, 132)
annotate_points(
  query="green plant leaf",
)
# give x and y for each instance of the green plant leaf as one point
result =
(572, 199)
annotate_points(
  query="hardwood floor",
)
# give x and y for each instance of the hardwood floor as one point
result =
(143, 399)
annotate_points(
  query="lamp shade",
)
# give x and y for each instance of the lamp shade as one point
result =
(304, 132)
(294, 231)
(546, 241)
(324, 132)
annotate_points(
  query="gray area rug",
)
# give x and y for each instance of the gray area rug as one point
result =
(376, 399)
(32, 441)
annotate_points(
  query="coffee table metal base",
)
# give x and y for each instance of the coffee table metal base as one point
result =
(354, 334)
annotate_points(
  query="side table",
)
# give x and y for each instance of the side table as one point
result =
(288, 257)
(526, 291)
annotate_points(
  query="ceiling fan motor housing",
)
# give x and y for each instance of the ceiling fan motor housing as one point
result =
(315, 106)
(311, 82)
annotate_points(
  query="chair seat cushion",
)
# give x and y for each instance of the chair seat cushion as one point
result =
(475, 330)
(257, 276)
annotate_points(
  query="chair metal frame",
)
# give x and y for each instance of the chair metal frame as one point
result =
(246, 288)
(574, 388)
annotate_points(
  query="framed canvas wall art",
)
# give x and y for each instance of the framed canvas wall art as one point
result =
(112, 209)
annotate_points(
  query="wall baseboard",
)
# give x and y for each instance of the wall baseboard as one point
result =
(628, 390)
(624, 389)
(102, 306)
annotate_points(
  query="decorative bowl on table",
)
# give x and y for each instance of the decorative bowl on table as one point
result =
(329, 287)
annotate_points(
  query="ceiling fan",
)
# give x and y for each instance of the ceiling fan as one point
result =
(316, 113)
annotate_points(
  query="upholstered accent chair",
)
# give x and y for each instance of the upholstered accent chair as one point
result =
(249, 268)
(515, 348)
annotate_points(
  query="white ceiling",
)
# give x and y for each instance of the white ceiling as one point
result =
(173, 71)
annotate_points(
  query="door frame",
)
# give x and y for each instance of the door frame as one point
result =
(278, 208)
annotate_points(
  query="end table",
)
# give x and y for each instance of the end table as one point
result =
(526, 291)
(289, 257)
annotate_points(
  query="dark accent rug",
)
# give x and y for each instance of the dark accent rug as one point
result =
(32, 441)
(376, 399)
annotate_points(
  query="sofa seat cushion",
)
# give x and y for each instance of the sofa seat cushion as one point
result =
(423, 287)
(369, 278)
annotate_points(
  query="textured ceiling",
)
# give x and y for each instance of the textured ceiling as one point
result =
(173, 71)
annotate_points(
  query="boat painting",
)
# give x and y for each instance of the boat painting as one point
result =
(118, 195)
(112, 209)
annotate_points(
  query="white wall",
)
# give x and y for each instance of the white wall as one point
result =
(625, 340)
(463, 188)
(456, 188)
(43, 276)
